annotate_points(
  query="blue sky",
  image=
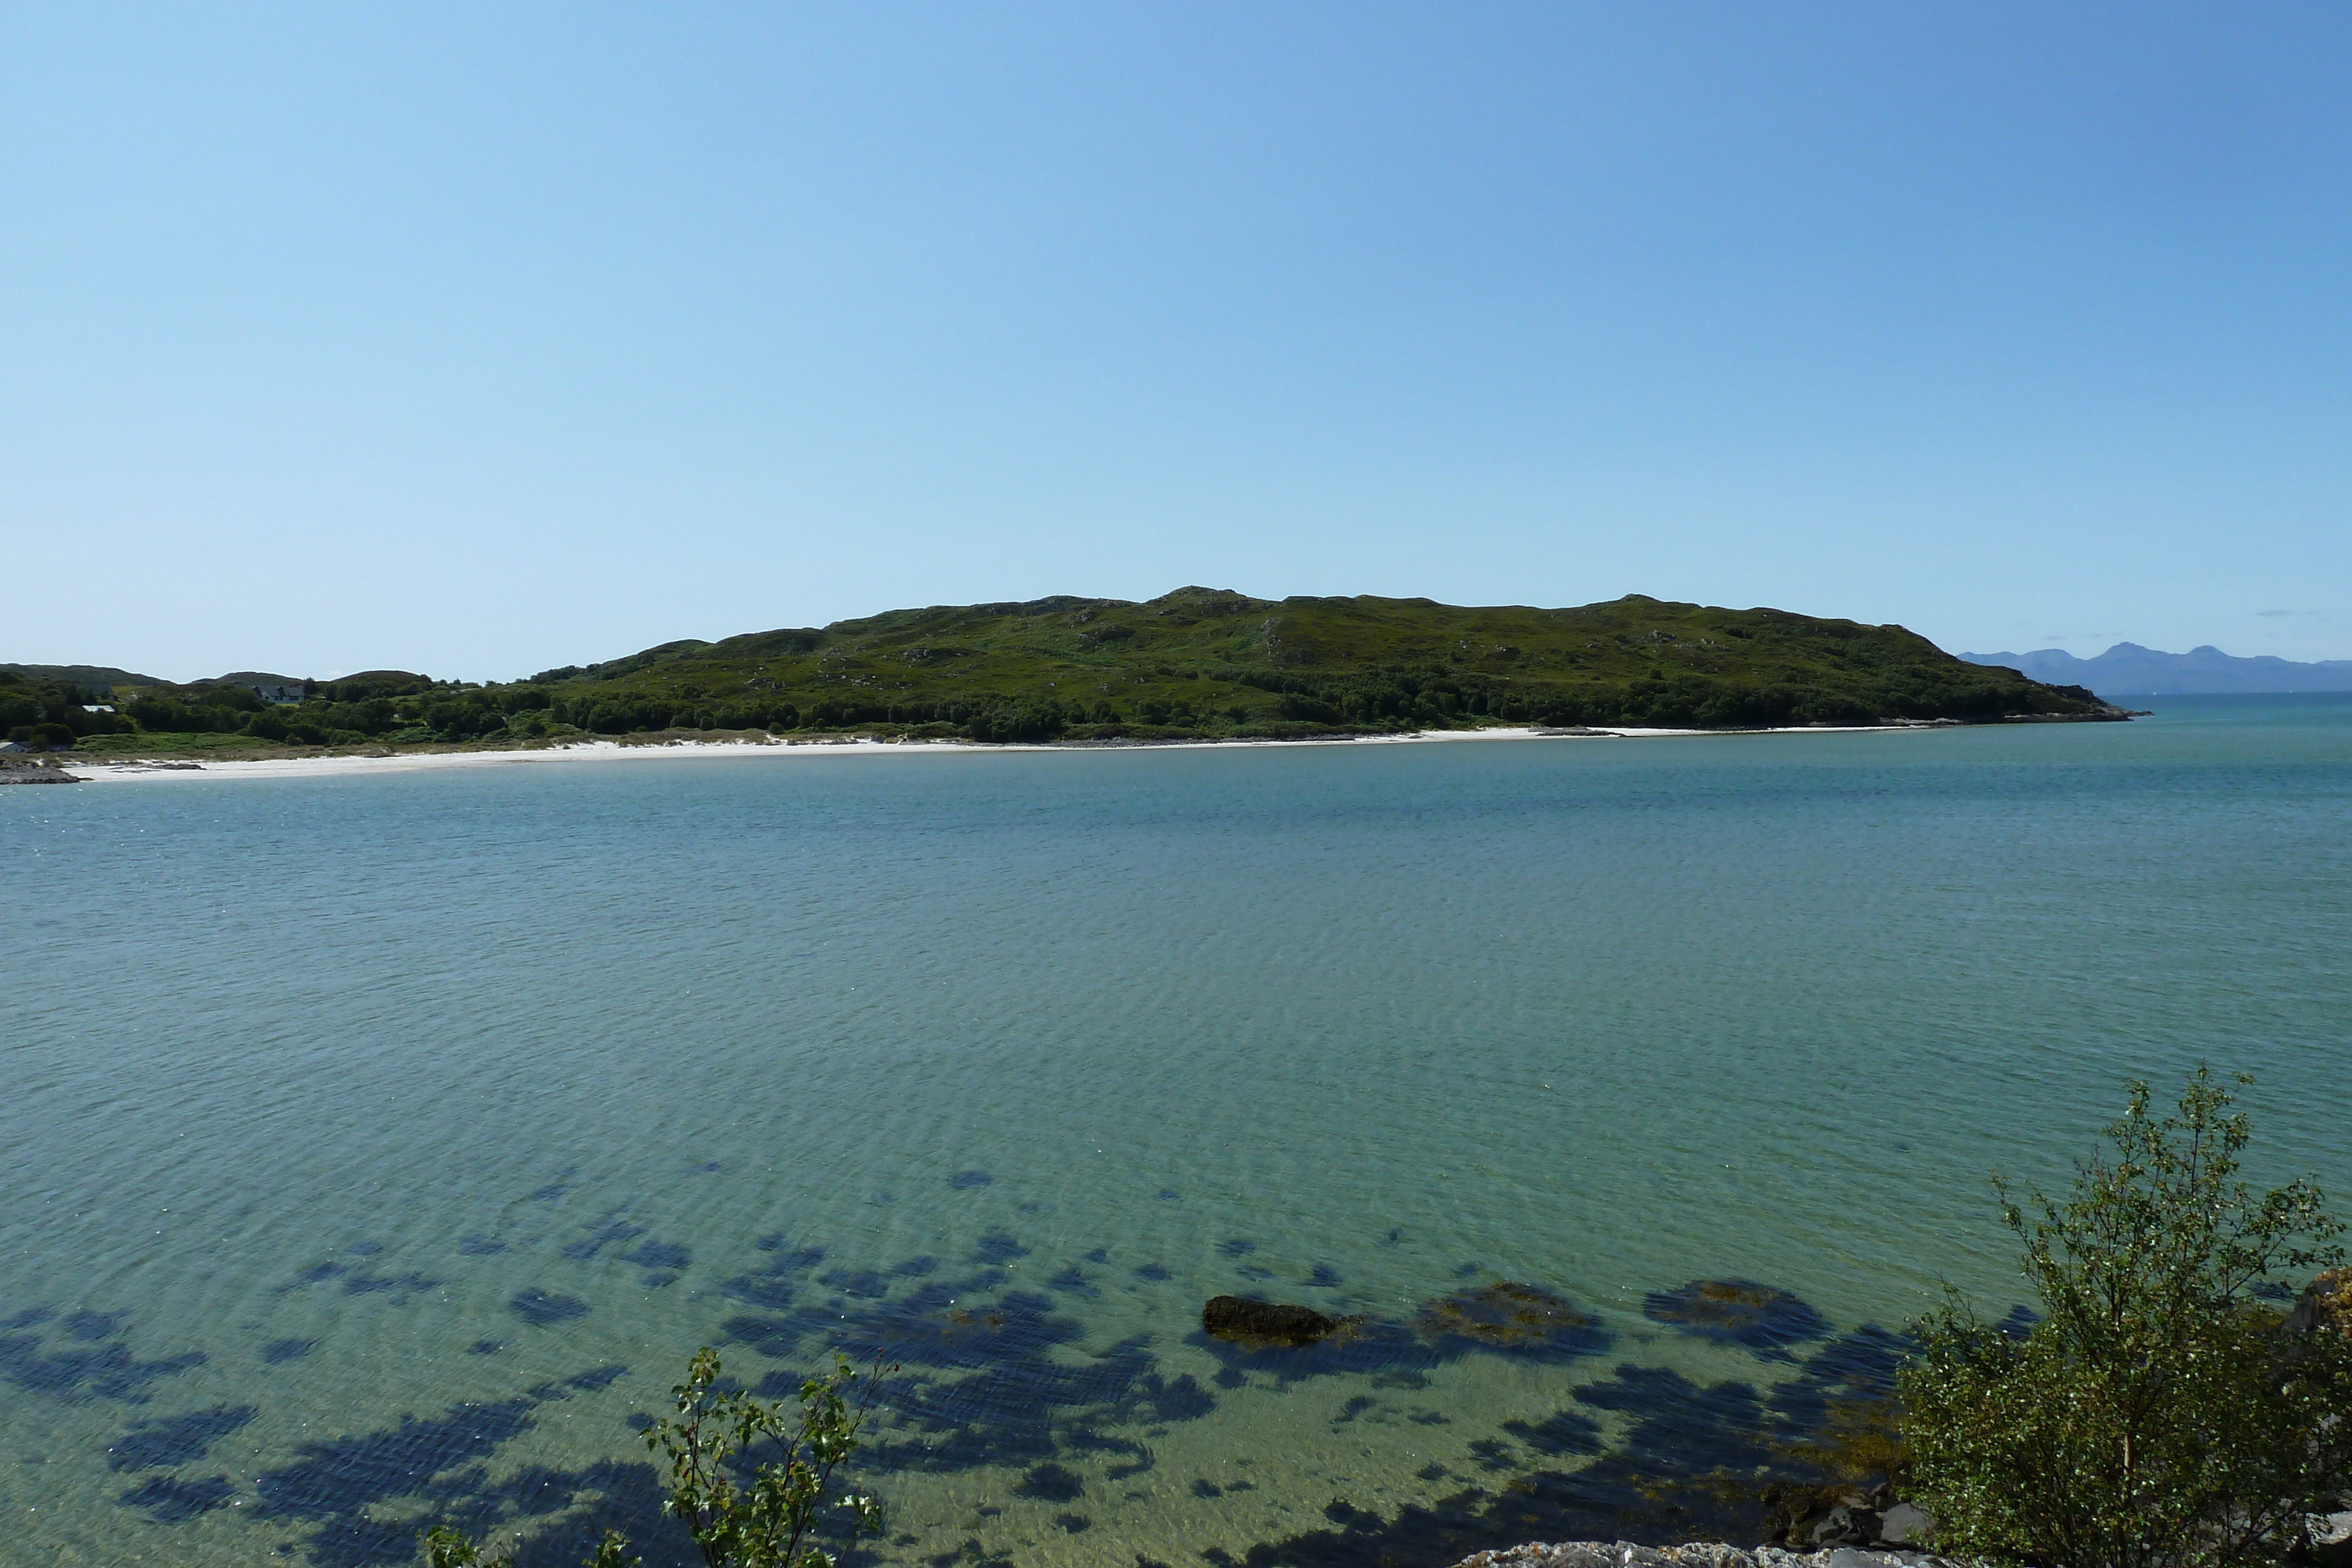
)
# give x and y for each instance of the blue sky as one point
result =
(474, 339)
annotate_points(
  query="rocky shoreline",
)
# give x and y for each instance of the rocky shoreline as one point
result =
(18, 770)
(1701, 1554)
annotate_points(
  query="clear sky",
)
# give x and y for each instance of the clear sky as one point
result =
(475, 338)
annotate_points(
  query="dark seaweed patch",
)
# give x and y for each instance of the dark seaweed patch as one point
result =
(772, 1289)
(1236, 1248)
(341, 1476)
(479, 1246)
(775, 1338)
(364, 1250)
(1694, 1461)
(1070, 1283)
(400, 1287)
(608, 1232)
(1051, 1483)
(541, 1310)
(1563, 1433)
(865, 1284)
(1169, 1195)
(167, 1441)
(768, 1291)
(914, 1267)
(1099, 1255)
(984, 1384)
(1325, 1277)
(667, 1255)
(1182, 1400)
(708, 1168)
(1509, 1319)
(787, 1255)
(278, 1351)
(998, 1247)
(332, 1485)
(1492, 1454)
(596, 1378)
(1074, 1522)
(965, 1181)
(1154, 1272)
(486, 1347)
(1357, 1346)
(169, 1501)
(1738, 1311)
(568, 1510)
(91, 1365)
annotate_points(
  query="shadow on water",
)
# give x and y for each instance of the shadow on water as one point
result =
(982, 1380)
(80, 1356)
(986, 1376)
(359, 1281)
(333, 1485)
(542, 1309)
(166, 1441)
(169, 1501)
(1719, 1461)
(1738, 1312)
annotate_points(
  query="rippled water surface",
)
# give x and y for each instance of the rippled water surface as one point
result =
(377, 1147)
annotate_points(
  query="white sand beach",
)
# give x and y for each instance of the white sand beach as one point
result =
(167, 770)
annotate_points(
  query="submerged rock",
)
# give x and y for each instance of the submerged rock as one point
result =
(1510, 1317)
(1246, 1321)
(1742, 1312)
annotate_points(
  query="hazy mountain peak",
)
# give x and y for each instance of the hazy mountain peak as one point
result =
(2129, 669)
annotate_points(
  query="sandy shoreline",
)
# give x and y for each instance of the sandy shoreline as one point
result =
(134, 770)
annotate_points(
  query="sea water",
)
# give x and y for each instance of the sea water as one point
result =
(379, 1148)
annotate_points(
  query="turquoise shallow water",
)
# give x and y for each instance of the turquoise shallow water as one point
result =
(377, 1147)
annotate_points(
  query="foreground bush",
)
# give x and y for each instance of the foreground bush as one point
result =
(741, 1514)
(2159, 1413)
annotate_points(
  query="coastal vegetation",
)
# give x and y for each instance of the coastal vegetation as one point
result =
(748, 1478)
(1198, 664)
(2163, 1412)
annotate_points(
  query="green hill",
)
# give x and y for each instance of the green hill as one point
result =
(1199, 663)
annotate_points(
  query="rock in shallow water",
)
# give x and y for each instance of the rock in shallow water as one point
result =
(1246, 1321)
(1699, 1555)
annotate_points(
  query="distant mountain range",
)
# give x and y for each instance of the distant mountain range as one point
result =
(2129, 670)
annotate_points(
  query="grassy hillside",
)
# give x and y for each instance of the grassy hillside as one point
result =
(1197, 662)
(1209, 661)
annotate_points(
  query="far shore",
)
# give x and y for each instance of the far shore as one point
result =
(135, 769)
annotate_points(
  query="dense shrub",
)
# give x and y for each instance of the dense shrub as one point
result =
(2160, 1414)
